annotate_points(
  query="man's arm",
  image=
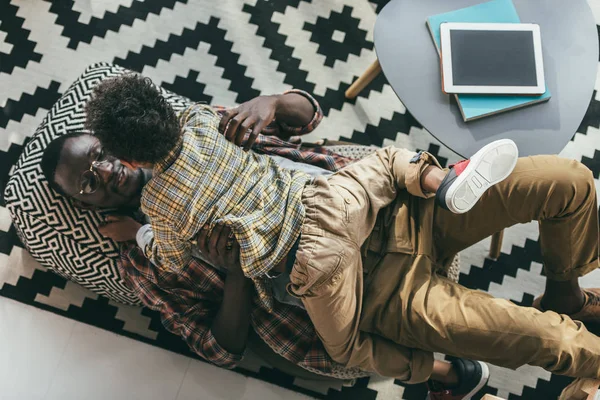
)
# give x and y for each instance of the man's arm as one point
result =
(294, 109)
(188, 301)
(231, 323)
(230, 326)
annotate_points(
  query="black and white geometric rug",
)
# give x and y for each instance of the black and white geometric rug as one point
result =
(226, 52)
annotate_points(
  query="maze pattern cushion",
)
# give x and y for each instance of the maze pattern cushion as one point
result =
(57, 234)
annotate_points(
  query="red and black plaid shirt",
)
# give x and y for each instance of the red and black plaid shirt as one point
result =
(188, 300)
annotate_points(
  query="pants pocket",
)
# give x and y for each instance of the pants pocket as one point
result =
(321, 266)
(343, 202)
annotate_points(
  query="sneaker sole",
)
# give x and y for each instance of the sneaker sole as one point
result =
(489, 166)
(485, 376)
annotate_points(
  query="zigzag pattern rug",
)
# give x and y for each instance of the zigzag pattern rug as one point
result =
(228, 52)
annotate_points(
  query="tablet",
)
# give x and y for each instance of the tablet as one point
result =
(490, 58)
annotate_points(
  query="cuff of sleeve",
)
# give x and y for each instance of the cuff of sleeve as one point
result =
(218, 355)
(144, 237)
(316, 119)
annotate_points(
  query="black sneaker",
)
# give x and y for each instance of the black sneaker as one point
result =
(473, 375)
(469, 179)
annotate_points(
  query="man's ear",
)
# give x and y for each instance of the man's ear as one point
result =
(83, 205)
(130, 165)
(133, 164)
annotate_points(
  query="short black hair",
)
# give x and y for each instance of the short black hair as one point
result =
(132, 119)
(51, 158)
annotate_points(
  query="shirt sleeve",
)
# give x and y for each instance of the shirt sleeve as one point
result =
(166, 249)
(314, 122)
(186, 306)
(193, 326)
(283, 130)
(144, 237)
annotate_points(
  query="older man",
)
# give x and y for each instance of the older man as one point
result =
(212, 309)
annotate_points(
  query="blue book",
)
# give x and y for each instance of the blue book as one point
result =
(478, 106)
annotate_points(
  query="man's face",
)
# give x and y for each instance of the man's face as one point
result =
(118, 185)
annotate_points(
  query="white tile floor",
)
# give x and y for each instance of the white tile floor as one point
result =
(45, 356)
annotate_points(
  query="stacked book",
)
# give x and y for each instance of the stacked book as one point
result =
(465, 73)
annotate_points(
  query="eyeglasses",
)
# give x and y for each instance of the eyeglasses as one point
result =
(90, 180)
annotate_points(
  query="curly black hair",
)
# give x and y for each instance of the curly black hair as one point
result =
(132, 120)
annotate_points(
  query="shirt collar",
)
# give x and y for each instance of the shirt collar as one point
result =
(169, 159)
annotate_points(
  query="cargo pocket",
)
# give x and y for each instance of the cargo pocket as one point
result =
(401, 225)
(321, 267)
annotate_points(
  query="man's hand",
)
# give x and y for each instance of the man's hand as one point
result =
(255, 114)
(119, 228)
(232, 322)
(220, 249)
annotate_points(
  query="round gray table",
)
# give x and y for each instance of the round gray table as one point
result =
(411, 65)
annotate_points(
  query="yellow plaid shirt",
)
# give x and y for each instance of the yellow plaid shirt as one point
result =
(207, 180)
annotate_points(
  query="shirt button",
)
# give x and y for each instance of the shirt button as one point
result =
(347, 200)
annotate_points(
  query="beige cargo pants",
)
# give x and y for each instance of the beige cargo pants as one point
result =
(369, 283)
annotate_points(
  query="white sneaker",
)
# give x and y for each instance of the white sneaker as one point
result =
(469, 179)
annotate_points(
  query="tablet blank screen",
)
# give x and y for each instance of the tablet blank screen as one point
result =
(493, 58)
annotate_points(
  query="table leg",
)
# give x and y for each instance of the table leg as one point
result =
(366, 78)
(496, 245)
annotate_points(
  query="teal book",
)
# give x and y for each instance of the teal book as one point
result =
(478, 106)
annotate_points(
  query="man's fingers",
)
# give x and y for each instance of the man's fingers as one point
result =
(235, 251)
(258, 128)
(201, 240)
(250, 141)
(243, 129)
(108, 231)
(234, 125)
(223, 239)
(214, 238)
(233, 254)
(227, 115)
